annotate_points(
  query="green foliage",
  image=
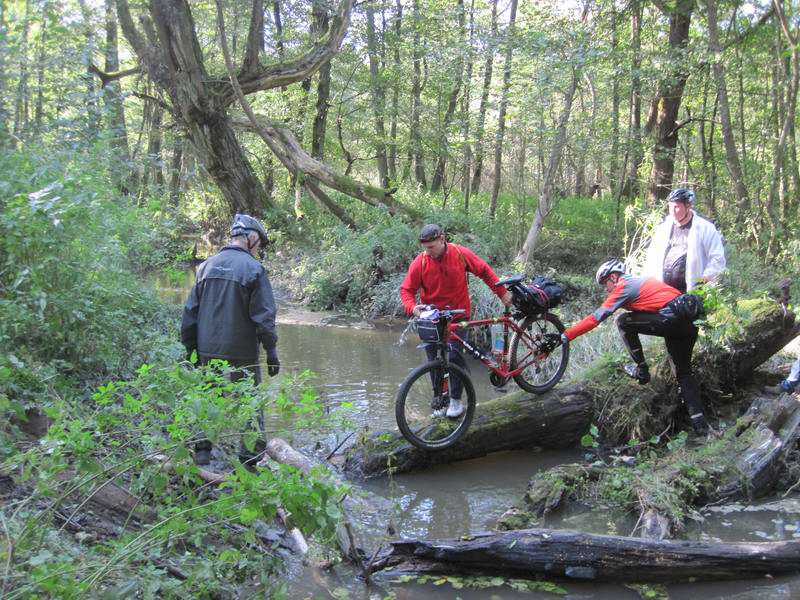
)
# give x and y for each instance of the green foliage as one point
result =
(130, 432)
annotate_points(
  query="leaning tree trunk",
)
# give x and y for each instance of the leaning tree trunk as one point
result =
(582, 556)
(622, 408)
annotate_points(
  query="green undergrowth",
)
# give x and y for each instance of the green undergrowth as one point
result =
(138, 434)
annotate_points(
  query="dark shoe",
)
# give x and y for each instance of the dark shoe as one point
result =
(638, 372)
(700, 425)
(202, 457)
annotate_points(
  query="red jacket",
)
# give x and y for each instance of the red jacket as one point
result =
(443, 281)
(639, 294)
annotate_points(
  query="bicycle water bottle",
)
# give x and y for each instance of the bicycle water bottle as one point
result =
(497, 343)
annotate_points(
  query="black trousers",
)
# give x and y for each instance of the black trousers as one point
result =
(679, 336)
(455, 356)
(243, 370)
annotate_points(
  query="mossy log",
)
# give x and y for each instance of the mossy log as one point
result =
(582, 556)
(622, 408)
(556, 419)
(744, 463)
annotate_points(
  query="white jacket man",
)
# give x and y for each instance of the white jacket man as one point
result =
(686, 248)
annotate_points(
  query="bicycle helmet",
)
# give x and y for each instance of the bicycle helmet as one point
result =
(681, 195)
(244, 223)
(613, 265)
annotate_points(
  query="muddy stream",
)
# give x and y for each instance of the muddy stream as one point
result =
(363, 364)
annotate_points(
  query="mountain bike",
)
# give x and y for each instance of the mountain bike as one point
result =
(528, 357)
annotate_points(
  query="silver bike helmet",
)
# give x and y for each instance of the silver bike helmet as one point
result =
(613, 265)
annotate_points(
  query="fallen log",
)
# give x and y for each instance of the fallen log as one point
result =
(556, 419)
(622, 409)
(581, 556)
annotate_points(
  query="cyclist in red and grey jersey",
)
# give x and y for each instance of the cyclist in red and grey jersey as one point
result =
(654, 309)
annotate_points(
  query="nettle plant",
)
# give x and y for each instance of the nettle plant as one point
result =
(139, 434)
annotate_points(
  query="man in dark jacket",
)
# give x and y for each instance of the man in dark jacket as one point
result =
(230, 311)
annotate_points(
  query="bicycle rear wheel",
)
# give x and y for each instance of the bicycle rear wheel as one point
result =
(425, 389)
(541, 371)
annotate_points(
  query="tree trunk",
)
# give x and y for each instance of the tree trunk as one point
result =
(669, 102)
(487, 84)
(175, 172)
(560, 417)
(4, 92)
(615, 177)
(93, 109)
(731, 153)
(546, 197)
(40, 61)
(501, 118)
(792, 39)
(378, 95)
(635, 152)
(395, 110)
(586, 557)
(415, 149)
(466, 170)
(438, 173)
(112, 93)
(320, 126)
(154, 160)
(21, 110)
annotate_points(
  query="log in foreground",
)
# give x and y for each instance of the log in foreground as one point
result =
(582, 556)
(622, 408)
(556, 419)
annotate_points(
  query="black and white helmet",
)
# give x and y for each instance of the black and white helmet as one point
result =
(613, 265)
(681, 195)
(244, 223)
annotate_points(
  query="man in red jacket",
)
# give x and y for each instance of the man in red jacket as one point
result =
(439, 275)
(655, 308)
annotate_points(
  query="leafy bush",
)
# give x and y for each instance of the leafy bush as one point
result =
(139, 433)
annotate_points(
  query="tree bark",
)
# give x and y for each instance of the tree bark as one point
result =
(38, 113)
(4, 92)
(396, 76)
(176, 171)
(636, 155)
(560, 417)
(586, 557)
(669, 102)
(615, 177)
(501, 118)
(112, 91)
(792, 39)
(466, 170)
(731, 153)
(452, 102)
(487, 84)
(415, 150)
(378, 95)
(21, 110)
(320, 126)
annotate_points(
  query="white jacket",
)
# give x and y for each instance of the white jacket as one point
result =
(705, 257)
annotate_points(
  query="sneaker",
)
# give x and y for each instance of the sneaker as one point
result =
(638, 372)
(439, 408)
(456, 409)
(202, 457)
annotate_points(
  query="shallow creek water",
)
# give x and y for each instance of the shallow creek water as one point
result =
(363, 364)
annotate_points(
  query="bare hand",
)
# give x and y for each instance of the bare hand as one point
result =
(419, 308)
(506, 299)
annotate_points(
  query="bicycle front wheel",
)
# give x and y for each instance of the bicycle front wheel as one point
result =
(541, 371)
(428, 389)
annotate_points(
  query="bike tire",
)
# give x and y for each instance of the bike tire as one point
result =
(413, 408)
(542, 374)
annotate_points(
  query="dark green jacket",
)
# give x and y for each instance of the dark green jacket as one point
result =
(230, 309)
